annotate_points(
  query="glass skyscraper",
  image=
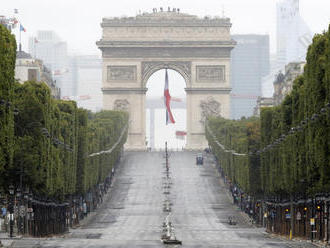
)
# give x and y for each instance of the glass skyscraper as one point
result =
(249, 63)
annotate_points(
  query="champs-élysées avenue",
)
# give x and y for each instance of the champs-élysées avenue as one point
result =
(165, 123)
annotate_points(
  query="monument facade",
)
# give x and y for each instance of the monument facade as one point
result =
(133, 48)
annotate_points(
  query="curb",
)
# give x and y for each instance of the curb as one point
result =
(317, 243)
(91, 214)
(246, 217)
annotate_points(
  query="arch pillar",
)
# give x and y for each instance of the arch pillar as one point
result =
(202, 102)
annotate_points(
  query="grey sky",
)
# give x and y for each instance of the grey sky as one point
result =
(78, 21)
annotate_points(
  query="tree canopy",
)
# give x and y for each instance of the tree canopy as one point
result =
(46, 145)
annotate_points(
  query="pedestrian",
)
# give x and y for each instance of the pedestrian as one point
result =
(3, 211)
(85, 209)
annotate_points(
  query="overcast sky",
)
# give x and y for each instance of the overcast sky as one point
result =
(78, 21)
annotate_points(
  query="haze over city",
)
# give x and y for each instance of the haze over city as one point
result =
(78, 22)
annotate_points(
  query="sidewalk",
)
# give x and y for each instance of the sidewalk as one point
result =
(244, 216)
(6, 241)
(92, 214)
(315, 243)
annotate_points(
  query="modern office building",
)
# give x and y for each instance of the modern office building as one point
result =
(293, 35)
(86, 72)
(249, 64)
(79, 77)
(48, 47)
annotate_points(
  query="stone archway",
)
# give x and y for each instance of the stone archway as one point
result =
(182, 67)
(133, 48)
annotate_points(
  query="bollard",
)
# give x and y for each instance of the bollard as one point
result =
(290, 234)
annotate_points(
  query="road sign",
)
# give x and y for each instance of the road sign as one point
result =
(298, 216)
(312, 221)
(180, 134)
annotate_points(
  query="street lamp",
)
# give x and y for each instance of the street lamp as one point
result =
(25, 203)
(11, 209)
(2, 195)
(26, 193)
(19, 203)
(18, 193)
(11, 189)
(30, 212)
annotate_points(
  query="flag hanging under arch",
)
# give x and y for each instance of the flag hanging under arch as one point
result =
(167, 100)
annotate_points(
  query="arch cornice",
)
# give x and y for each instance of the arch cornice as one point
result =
(182, 67)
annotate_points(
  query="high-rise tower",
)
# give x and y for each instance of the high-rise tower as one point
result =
(293, 35)
(48, 47)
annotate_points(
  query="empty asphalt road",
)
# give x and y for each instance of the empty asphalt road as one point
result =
(133, 213)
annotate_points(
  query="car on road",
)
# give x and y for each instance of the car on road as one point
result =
(199, 158)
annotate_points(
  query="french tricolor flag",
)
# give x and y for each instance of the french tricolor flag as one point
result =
(167, 100)
(22, 28)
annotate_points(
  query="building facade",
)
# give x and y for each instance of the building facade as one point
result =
(282, 86)
(284, 82)
(263, 102)
(48, 47)
(249, 64)
(30, 69)
(8, 22)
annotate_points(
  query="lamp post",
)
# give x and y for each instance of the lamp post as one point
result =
(11, 210)
(18, 196)
(2, 205)
(30, 212)
(312, 220)
(25, 203)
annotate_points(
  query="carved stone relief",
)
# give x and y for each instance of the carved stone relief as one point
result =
(121, 73)
(210, 73)
(210, 107)
(121, 104)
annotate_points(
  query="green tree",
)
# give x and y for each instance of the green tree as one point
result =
(243, 137)
(7, 67)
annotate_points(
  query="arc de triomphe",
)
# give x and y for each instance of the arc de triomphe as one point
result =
(133, 48)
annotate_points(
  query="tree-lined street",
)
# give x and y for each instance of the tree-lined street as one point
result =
(88, 175)
(132, 212)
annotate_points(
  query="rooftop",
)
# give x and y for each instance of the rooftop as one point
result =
(23, 55)
(170, 17)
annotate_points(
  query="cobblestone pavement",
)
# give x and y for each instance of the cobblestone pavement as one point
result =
(132, 213)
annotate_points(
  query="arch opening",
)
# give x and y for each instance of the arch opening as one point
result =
(181, 67)
(157, 132)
